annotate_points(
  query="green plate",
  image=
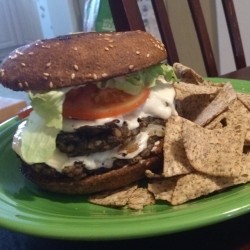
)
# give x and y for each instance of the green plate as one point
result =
(25, 208)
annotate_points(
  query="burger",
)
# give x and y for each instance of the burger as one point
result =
(99, 101)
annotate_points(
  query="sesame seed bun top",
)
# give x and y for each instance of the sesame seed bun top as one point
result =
(78, 59)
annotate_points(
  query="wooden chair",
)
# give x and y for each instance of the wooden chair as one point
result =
(127, 16)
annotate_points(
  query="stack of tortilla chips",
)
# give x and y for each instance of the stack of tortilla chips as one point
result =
(205, 147)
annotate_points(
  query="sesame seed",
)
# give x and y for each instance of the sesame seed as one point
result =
(104, 74)
(26, 84)
(46, 74)
(111, 45)
(23, 64)
(148, 55)
(51, 84)
(48, 64)
(2, 72)
(13, 56)
(18, 52)
(138, 52)
(76, 67)
(75, 48)
(31, 53)
(131, 66)
(73, 75)
(20, 85)
(106, 48)
(38, 42)
(89, 75)
(94, 76)
(46, 46)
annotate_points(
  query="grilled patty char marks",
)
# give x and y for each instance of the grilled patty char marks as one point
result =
(91, 139)
(78, 170)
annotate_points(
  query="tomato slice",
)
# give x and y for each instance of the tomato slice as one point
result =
(25, 112)
(91, 103)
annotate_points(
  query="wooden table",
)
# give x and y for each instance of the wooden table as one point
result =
(243, 74)
(10, 107)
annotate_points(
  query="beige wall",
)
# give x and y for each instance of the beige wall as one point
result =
(184, 32)
(226, 61)
(186, 39)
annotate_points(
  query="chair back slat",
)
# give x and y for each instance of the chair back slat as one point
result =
(234, 33)
(203, 37)
(165, 30)
(126, 15)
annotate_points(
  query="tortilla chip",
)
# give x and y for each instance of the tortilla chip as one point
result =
(247, 139)
(178, 190)
(140, 197)
(244, 175)
(245, 99)
(205, 150)
(192, 99)
(175, 159)
(214, 152)
(195, 185)
(217, 106)
(231, 116)
(117, 198)
(133, 197)
(187, 74)
(190, 107)
(186, 89)
(237, 111)
(238, 114)
(218, 122)
(162, 188)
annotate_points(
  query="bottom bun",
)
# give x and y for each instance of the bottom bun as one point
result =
(110, 180)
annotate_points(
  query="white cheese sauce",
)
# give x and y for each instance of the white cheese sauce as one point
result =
(105, 159)
(160, 103)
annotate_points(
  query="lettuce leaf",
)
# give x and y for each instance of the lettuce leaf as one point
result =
(49, 106)
(45, 122)
(135, 82)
